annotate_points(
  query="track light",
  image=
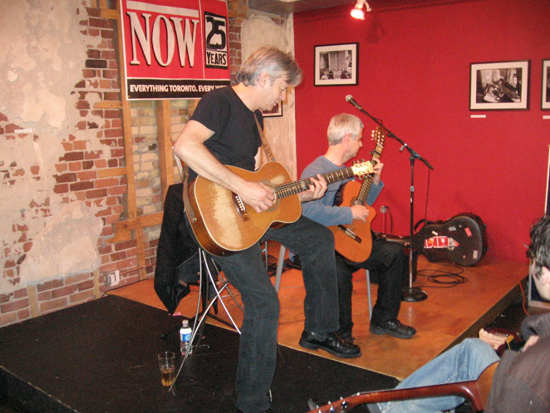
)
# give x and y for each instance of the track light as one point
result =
(357, 12)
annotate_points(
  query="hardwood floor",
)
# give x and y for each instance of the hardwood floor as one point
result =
(446, 317)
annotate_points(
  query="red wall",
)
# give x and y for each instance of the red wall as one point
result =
(414, 74)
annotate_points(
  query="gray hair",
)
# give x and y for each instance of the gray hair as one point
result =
(342, 124)
(273, 61)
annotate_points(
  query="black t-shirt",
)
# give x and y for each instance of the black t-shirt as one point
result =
(236, 137)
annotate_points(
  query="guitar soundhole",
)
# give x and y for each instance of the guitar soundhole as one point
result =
(275, 205)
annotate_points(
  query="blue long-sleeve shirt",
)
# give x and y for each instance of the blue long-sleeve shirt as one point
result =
(323, 210)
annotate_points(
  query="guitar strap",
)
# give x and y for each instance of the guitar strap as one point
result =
(186, 201)
(265, 143)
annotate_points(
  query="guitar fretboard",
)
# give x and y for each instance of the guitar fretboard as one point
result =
(293, 188)
(367, 183)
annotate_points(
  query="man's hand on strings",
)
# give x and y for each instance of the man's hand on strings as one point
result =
(315, 191)
(360, 212)
(258, 195)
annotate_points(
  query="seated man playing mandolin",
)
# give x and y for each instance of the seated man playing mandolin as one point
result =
(344, 137)
(224, 132)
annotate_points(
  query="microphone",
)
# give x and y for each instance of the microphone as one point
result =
(350, 99)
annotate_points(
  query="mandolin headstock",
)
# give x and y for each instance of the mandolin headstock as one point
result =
(362, 168)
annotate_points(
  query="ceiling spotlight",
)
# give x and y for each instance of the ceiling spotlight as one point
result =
(357, 12)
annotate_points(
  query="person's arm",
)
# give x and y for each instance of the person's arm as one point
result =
(322, 209)
(191, 149)
(327, 215)
(375, 190)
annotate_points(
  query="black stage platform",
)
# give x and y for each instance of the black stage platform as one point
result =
(101, 357)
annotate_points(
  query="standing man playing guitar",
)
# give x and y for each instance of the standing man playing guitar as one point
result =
(344, 133)
(224, 130)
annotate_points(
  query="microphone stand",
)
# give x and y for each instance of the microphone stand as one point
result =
(410, 294)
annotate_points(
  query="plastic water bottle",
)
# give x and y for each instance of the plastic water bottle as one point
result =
(185, 338)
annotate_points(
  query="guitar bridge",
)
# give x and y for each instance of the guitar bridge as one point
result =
(240, 206)
(350, 234)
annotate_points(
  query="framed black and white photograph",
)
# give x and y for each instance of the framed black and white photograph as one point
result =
(499, 85)
(275, 111)
(336, 64)
(545, 84)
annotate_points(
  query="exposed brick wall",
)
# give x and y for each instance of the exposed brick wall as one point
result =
(237, 11)
(77, 178)
(85, 173)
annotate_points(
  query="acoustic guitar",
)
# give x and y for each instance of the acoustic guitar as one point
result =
(223, 224)
(354, 241)
(476, 392)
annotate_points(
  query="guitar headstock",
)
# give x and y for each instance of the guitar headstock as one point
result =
(341, 406)
(379, 135)
(362, 168)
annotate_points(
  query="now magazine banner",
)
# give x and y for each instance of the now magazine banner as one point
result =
(174, 49)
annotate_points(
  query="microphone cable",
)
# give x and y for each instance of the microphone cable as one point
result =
(444, 279)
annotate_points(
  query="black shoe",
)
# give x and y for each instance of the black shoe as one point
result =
(393, 328)
(347, 338)
(294, 263)
(334, 344)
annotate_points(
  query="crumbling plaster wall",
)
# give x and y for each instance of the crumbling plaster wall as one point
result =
(42, 57)
(260, 30)
(62, 157)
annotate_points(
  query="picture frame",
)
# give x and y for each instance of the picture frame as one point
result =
(500, 85)
(545, 104)
(275, 111)
(336, 64)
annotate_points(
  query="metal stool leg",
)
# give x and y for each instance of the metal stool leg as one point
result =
(282, 253)
(207, 278)
(367, 275)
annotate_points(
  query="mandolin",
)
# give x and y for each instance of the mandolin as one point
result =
(354, 241)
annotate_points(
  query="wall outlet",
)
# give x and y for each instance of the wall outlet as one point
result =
(113, 278)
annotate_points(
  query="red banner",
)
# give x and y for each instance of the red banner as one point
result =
(174, 49)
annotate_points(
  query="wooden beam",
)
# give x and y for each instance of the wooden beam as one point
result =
(109, 14)
(107, 173)
(142, 221)
(120, 237)
(108, 104)
(166, 158)
(127, 129)
(142, 272)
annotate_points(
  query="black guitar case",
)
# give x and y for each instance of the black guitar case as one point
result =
(461, 239)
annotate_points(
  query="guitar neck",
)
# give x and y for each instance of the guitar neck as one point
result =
(468, 390)
(367, 183)
(293, 188)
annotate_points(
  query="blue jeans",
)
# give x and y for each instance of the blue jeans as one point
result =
(258, 344)
(464, 362)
